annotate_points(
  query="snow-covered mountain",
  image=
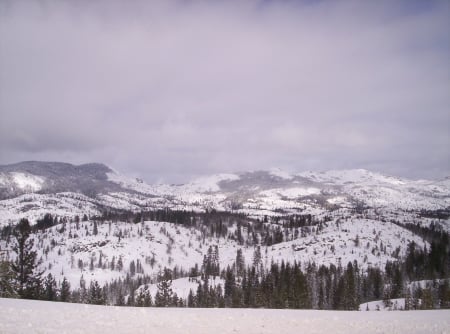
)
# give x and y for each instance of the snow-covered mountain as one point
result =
(30, 189)
(325, 218)
(54, 177)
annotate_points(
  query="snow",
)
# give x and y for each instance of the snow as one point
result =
(3, 179)
(337, 200)
(202, 184)
(291, 193)
(336, 243)
(27, 182)
(182, 286)
(281, 173)
(352, 176)
(397, 304)
(28, 316)
(210, 183)
(35, 206)
(378, 190)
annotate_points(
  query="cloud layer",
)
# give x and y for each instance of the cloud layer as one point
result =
(171, 89)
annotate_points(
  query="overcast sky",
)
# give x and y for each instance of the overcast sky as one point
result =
(168, 90)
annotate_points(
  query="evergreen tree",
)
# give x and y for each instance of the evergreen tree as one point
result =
(83, 295)
(191, 299)
(120, 264)
(144, 299)
(444, 294)
(64, 295)
(257, 256)
(120, 300)
(25, 270)
(164, 295)
(240, 262)
(95, 231)
(50, 291)
(95, 294)
(427, 299)
(230, 286)
(132, 268)
(7, 286)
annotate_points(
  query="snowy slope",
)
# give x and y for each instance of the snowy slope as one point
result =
(35, 206)
(52, 317)
(72, 250)
(20, 182)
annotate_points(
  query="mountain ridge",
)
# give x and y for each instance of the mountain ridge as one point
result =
(29, 189)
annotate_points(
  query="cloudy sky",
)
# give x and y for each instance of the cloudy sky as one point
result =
(168, 90)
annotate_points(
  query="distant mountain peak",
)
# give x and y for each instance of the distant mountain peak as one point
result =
(53, 177)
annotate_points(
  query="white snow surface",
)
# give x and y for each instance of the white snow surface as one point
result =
(291, 193)
(27, 181)
(29, 316)
(281, 173)
(210, 183)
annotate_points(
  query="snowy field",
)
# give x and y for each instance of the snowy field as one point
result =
(24, 316)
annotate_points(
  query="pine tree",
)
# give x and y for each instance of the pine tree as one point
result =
(120, 264)
(240, 262)
(229, 288)
(120, 301)
(257, 257)
(408, 300)
(164, 294)
(27, 276)
(7, 287)
(427, 299)
(65, 291)
(132, 268)
(95, 231)
(95, 295)
(191, 299)
(83, 295)
(50, 290)
(144, 299)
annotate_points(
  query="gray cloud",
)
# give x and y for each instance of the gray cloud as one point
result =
(171, 89)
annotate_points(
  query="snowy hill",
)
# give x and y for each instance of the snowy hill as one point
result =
(92, 250)
(30, 189)
(54, 177)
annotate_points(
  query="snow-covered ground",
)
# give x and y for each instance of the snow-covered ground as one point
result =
(26, 316)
